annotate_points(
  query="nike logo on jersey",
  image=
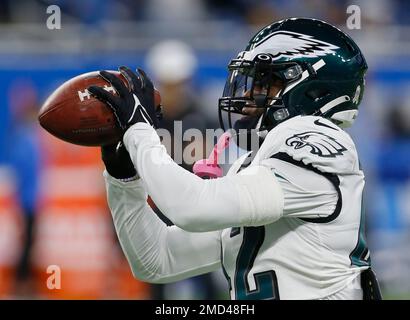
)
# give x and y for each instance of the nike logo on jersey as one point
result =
(319, 143)
(318, 123)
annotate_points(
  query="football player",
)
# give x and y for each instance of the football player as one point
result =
(290, 223)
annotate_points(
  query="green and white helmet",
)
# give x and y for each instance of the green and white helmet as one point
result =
(320, 68)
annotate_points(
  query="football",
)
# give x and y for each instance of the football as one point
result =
(72, 114)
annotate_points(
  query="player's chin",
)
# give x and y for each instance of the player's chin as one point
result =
(246, 122)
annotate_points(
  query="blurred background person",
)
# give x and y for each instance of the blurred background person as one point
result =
(391, 205)
(172, 65)
(24, 156)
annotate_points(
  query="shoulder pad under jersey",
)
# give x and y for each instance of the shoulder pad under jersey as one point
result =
(314, 141)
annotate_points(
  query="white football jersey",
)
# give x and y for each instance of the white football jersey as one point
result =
(318, 247)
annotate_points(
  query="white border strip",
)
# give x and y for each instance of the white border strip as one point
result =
(334, 103)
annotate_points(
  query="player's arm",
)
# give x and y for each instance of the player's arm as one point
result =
(251, 198)
(155, 252)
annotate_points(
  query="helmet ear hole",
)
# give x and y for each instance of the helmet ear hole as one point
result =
(317, 94)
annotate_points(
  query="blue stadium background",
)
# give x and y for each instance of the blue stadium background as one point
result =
(30, 52)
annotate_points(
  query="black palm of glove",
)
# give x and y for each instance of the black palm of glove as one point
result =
(132, 105)
(117, 161)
